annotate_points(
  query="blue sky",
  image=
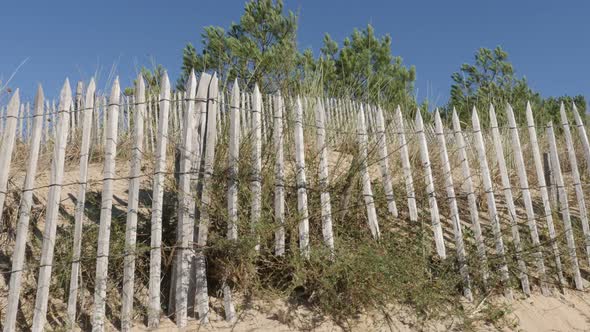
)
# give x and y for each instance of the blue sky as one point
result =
(548, 41)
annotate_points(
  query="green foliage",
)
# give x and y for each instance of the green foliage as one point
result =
(364, 68)
(549, 110)
(490, 80)
(152, 79)
(260, 49)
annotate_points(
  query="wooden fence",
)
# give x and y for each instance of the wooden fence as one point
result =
(452, 168)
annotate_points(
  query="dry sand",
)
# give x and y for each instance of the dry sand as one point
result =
(559, 312)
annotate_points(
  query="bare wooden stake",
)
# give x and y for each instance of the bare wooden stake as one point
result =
(541, 177)
(24, 216)
(366, 179)
(132, 208)
(279, 192)
(186, 208)
(301, 181)
(384, 163)
(583, 136)
(576, 179)
(526, 196)
(406, 166)
(492, 211)
(256, 181)
(452, 201)
(202, 297)
(86, 108)
(7, 147)
(326, 206)
(471, 198)
(434, 214)
(51, 216)
(104, 232)
(564, 208)
(157, 203)
(507, 190)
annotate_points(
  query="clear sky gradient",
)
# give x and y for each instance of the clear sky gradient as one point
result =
(548, 41)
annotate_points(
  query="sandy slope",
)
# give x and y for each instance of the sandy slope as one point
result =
(568, 312)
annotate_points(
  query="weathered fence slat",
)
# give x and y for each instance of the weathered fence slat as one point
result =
(384, 163)
(199, 116)
(51, 216)
(256, 180)
(24, 215)
(455, 220)
(301, 181)
(326, 207)
(434, 213)
(7, 147)
(133, 207)
(186, 208)
(106, 206)
(201, 297)
(492, 211)
(235, 113)
(583, 136)
(471, 198)
(279, 190)
(526, 196)
(548, 215)
(406, 166)
(507, 190)
(564, 208)
(577, 182)
(157, 203)
(365, 177)
(87, 110)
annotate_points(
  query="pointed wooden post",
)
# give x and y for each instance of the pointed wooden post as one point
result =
(186, 208)
(24, 215)
(507, 190)
(51, 216)
(233, 158)
(384, 163)
(452, 201)
(301, 181)
(132, 208)
(583, 136)
(102, 253)
(526, 196)
(87, 110)
(279, 190)
(492, 211)
(366, 179)
(564, 208)
(256, 181)
(569, 144)
(7, 147)
(471, 197)
(157, 203)
(548, 215)
(202, 297)
(434, 213)
(320, 118)
(406, 166)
